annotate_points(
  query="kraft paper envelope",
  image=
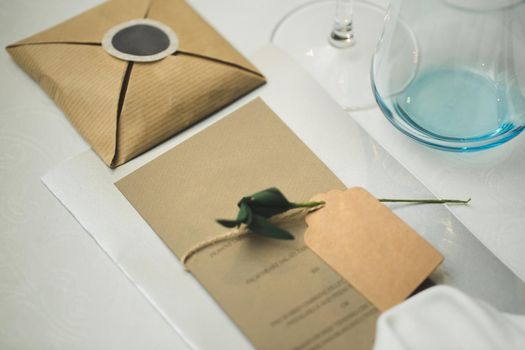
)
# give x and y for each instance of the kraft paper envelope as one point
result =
(280, 293)
(124, 108)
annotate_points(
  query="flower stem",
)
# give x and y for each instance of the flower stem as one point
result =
(392, 200)
(307, 204)
(425, 201)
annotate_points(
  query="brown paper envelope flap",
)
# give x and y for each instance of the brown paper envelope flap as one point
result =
(90, 26)
(196, 36)
(84, 81)
(368, 245)
(184, 86)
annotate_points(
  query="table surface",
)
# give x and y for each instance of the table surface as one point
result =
(58, 290)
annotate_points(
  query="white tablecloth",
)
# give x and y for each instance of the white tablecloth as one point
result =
(57, 288)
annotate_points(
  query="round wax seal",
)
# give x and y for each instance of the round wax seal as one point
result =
(141, 40)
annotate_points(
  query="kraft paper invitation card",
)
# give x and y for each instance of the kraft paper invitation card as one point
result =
(279, 293)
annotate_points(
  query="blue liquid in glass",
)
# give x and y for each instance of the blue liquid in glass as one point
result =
(454, 104)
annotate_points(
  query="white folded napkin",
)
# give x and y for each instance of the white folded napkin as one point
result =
(442, 317)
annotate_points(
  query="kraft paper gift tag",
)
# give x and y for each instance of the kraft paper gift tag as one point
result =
(123, 108)
(367, 244)
(279, 293)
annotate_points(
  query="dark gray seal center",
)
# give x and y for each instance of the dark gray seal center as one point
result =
(140, 40)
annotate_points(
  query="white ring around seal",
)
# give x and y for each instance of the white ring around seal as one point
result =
(107, 43)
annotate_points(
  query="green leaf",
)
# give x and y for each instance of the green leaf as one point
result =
(267, 203)
(261, 226)
(244, 216)
(270, 197)
(228, 223)
(245, 213)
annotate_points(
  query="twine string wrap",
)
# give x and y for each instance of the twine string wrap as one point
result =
(294, 214)
(288, 216)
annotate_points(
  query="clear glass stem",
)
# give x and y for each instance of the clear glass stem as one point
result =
(342, 35)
